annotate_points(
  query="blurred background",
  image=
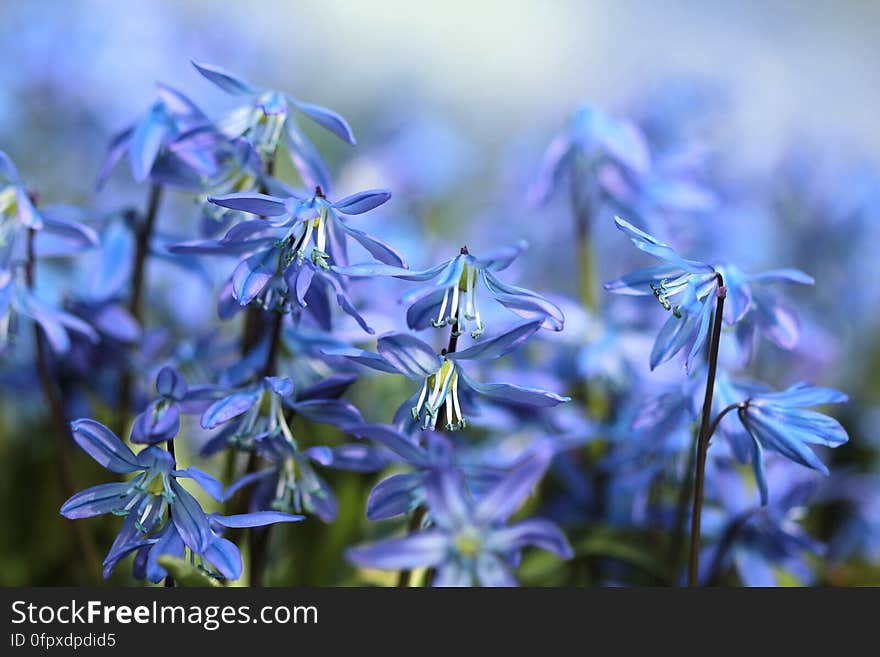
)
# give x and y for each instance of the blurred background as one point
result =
(454, 104)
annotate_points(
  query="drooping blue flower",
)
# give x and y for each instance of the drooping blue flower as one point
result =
(291, 483)
(684, 287)
(149, 495)
(451, 296)
(160, 421)
(257, 410)
(403, 492)
(762, 543)
(161, 516)
(148, 143)
(16, 299)
(220, 559)
(782, 422)
(268, 118)
(592, 139)
(688, 288)
(468, 541)
(444, 383)
(290, 249)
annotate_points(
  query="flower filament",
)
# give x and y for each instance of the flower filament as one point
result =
(460, 302)
(440, 390)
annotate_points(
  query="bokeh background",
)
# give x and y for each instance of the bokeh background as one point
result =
(454, 104)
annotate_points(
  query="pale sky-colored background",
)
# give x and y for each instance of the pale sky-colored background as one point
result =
(497, 67)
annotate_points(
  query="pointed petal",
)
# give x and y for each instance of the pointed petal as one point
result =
(328, 119)
(104, 446)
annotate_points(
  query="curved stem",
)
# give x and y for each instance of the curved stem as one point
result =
(62, 433)
(704, 435)
(723, 412)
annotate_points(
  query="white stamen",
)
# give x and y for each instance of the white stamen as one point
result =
(455, 402)
(453, 310)
(322, 230)
(440, 321)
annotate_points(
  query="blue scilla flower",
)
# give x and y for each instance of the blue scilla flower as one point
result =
(444, 383)
(592, 139)
(160, 421)
(148, 143)
(291, 483)
(220, 559)
(312, 225)
(268, 120)
(780, 422)
(403, 492)
(149, 495)
(249, 412)
(289, 250)
(16, 206)
(687, 289)
(60, 230)
(759, 309)
(762, 543)
(468, 540)
(451, 295)
(18, 301)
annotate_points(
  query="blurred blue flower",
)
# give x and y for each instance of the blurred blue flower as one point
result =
(148, 143)
(763, 543)
(160, 421)
(591, 140)
(468, 541)
(268, 119)
(257, 410)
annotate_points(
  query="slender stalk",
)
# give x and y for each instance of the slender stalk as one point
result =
(142, 248)
(258, 538)
(415, 523)
(583, 248)
(704, 435)
(684, 498)
(62, 433)
(685, 491)
(143, 236)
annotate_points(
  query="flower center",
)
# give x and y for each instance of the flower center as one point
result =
(468, 543)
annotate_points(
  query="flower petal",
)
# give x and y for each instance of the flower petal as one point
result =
(423, 549)
(104, 446)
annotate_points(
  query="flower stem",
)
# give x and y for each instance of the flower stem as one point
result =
(705, 435)
(583, 248)
(62, 434)
(258, 538)
(143, 235)
(415, 523)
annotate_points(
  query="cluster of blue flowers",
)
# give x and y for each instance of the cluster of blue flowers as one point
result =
(506, 393)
